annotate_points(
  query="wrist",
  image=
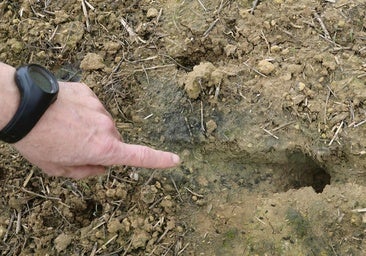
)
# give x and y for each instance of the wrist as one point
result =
(9, 94)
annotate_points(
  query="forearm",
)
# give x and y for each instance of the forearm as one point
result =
(9, 94)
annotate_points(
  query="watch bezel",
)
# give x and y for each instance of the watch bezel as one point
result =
(51, 78)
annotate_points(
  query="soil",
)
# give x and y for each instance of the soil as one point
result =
(266, 106)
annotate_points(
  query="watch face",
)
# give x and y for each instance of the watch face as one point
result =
(41, 78)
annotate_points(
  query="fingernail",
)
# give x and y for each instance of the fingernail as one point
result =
(176, 159)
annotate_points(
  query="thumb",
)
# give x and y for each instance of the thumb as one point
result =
(141, 156)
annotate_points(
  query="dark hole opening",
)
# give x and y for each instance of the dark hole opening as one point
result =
(303, 171)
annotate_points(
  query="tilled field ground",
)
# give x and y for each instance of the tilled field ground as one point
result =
(265, 101)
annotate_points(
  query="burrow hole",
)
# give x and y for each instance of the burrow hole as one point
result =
(303, 171)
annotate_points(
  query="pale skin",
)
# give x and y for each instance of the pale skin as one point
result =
(76, 137)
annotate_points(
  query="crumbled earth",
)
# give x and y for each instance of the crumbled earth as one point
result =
(264, 103)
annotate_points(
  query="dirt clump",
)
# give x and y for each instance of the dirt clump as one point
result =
(92, 61)
(200, 78)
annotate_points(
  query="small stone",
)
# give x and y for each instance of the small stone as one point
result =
(286, 77)
(201, 202)
(92, 61)
(41, 54)
(211, 126)
(265, 67)
(179, 229)
(100, 234)
(356, 219)
(267, 25)
(152, 13)
(341, 23)
(2, 232)
(298, 99)
(285, 51)
(275, 48)
(301, 86)
(62, 242)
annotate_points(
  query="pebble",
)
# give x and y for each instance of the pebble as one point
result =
(62, 242)
(152, 13)
(2, 232)
(211, 126)
(266, 67)
(301, 86)
(275, 48)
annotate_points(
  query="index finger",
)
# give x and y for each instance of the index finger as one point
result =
(141, 156)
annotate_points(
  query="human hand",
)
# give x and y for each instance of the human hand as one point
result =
(76, 137)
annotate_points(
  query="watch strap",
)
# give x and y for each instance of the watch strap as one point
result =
(33, 103)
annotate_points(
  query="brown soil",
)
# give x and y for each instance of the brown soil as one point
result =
(266, 109)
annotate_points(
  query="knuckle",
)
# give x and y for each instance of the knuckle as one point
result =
(104, 151)
(144, 155)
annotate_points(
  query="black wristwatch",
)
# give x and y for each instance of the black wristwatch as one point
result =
(38, 90)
